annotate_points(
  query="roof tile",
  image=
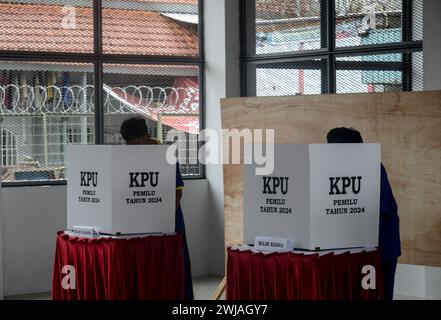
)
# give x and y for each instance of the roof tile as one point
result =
(39, 28)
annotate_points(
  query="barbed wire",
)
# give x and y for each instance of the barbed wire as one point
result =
(26, 99)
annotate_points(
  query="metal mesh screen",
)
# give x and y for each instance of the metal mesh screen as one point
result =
(47, 25)
(299, 28)
(148, 27)
(282, 79)
(417, 20)
(369, 73)
(43, 107)
(368, 22)
(379, 73)
(167, 96)
(277, 26)
(417, 79)
(46, 105)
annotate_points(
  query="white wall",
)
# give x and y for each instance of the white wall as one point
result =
(411, 280)
(214, 11)
(196, 209)
(420, 282)
(432, 81)
(221, 23)
(33, 215)
(432, 44)
(31, 218)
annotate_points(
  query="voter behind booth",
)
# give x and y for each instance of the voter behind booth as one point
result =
(389, 233)
(134, 131)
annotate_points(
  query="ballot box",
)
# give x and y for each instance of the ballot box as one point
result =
(319, 196)
(127, 189)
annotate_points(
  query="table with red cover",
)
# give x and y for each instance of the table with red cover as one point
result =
(253, 275)
(147, 268)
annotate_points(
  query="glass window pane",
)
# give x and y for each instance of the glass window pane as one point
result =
(283, 26)
(42, 105)
(167, 96)
(368, 22)
(47, 25)
(369, 73)
(151, 27)
(285, 79)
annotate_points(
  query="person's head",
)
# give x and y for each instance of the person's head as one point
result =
(344, 135)
(134, 131)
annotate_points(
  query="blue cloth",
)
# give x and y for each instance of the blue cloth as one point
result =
(389, 235)
(179, 219)
(179, 181)
(180, 228)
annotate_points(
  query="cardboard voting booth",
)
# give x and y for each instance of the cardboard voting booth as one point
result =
(125, 189)
(319, 196)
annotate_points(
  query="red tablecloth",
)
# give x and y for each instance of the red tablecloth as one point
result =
(292, 276)
(105, 268)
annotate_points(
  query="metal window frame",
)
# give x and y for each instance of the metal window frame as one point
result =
(328, 51)
(98, 59)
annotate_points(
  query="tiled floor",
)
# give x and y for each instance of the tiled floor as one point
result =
(396, 297)
(33, 296)
(203, 287)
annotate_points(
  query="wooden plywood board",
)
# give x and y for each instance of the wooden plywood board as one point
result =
(408, 126)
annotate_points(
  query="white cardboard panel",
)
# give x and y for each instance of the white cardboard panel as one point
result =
(290, 161)
(313, 222)
(358, 224)
(89, 158)
(119, 203)
(154, 216)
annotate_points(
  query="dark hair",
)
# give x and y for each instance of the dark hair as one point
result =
(344, 135)
(133, 128)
